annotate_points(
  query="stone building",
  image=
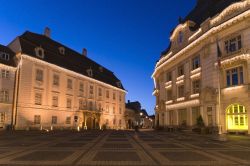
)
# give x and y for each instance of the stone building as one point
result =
(58, 88)
(206, 69)
(7, 80)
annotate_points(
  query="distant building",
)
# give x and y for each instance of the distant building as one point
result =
(205, 70)
(7, 83)
(58, 88)
(135, 116)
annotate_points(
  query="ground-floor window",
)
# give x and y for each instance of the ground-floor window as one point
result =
(37, 119)
(237, 117)
(2, 117)
(182, 117)
(210, 116)
(68, 120)
(54, 120)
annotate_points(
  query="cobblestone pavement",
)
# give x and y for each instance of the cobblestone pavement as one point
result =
(121, 148)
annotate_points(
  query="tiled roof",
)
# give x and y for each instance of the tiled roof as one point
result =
(70, 60)
(11, 61)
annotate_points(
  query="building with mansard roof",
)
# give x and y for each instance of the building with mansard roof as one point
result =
(205, 71)
(56, 87)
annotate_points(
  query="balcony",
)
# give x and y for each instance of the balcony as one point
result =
(196, 73)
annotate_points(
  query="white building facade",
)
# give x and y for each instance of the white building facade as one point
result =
(205, 71)
(58, 88)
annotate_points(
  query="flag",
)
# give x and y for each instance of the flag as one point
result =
(218, 54)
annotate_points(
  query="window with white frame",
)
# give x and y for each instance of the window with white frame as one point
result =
(196, 86)
(69, 103)
(39, 75)
(4, 96)
(180, 70)
(196, 62)
(54, 120)
(55, 101)
(56, 80)
(232, 45)
(234, 76)
(4, 56)
(68, 120)
(38, 98)
(5, 73)
(37, 119)
(69, 84)
(180, 91)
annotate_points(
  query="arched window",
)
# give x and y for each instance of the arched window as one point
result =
(237, 117)
(62, 50)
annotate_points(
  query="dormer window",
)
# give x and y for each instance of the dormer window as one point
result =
(4, 56)
(90, 72)
(119, 84)
(101, 69)
(39, 52)
(180, 37)
(62, 50)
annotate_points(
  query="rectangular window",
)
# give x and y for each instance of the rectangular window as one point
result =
(120, 122)
(107, 108)
(5, 74)
(196, 86)
(2, 117)
(91, 89)
(69, 103)
(181, 70)
(113, 110)
(68, 120)
(82, 104)
(100, 92)
(169, 95)
(120, 110)
(232, 45)
(169, 76)
(180, 91)
(81, 87)
(38, 98)
(56, 80)
(234, 76)
(196, 62)
(107, 94)
(4, 56)
(120, 97)
(114, 96)
(39, 75)
(69, 84)
(114, 121)
(4, 96)
(55, 101)
(37, 119)
(54, 120)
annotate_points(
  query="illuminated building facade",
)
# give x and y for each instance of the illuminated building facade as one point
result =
(58, 88)
(206, 69)
(7, 81)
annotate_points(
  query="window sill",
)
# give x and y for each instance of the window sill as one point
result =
(180, 78)
(180, 99)
(169, 102)
(194, 95)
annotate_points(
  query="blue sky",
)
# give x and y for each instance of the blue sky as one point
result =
(126, 36)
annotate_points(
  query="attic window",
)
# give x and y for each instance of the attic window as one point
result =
(90, 72)
(119, 84)
(39, 52)
(4, 56)
(62, 50)
(101, 69)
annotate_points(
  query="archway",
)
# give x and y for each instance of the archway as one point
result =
(236, 117)
(89, 123)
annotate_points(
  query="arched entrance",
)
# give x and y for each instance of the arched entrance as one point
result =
(236, 117)
(89, 123)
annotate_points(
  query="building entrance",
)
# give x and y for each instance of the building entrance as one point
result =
(236, 117)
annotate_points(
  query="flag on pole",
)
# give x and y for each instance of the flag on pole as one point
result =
(218, 54)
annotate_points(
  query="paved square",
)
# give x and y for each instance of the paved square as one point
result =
(69, 148)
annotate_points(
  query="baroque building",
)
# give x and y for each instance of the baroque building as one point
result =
(56, 87)
(205, 71)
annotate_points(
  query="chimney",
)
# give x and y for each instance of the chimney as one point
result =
(84, 52)
(47, 32)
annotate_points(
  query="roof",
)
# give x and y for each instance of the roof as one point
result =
(11, 61)
(71, 59)
(203, 10)
(136, 106)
